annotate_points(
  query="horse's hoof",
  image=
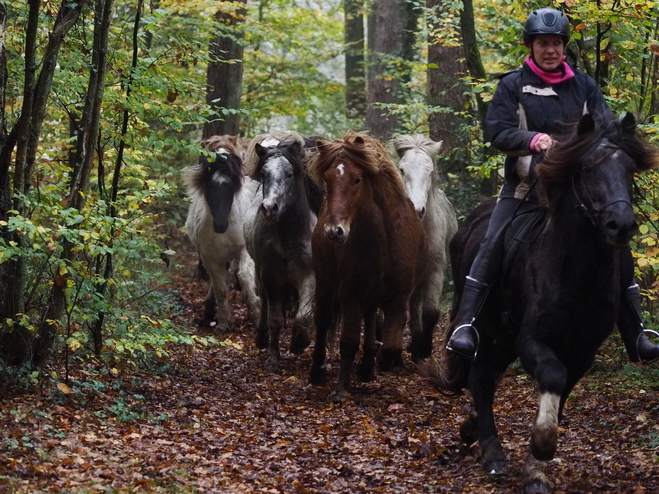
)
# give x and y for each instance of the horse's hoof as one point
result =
(495, 468)
(299, 343)
(318, 376)
(366, 372)
(272, 364)
(339, 395)
(543, 445)
(469, 430)
(262, 340)
(537, 486)
(390, 361)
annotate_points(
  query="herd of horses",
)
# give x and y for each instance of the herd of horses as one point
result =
(352, 244)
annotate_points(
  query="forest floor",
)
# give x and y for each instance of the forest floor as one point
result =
(212, 419)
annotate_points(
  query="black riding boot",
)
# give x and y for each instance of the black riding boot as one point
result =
(630, 324)
(464, 339)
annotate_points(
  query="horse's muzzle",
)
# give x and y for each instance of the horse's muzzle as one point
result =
(336, 233)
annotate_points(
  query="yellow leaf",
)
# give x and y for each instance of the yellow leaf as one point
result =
(115, 371)
(64, 388)
(74, 344)
(643, 229)
(63, 270)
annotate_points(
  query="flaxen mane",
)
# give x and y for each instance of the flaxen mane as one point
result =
(271, 138)
(404, 143)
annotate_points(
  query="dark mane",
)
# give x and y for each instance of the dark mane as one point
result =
(196, 177)
(367, 153)
(579, 148)
(297, 157)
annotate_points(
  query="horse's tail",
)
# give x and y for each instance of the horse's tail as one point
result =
(448, 374)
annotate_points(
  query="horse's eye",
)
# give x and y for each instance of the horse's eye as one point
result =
(358, 180)
(402, 172)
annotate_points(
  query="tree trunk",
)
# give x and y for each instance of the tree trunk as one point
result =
(385, 40)
(225, 73)
(445, 89)
(355, 69)
(87, 139)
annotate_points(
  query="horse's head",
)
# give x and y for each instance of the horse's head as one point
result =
(221, 178)
(417, 166)
(593, 169)
(279, 168)
(352, 170)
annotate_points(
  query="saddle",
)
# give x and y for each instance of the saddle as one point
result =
(523, 228)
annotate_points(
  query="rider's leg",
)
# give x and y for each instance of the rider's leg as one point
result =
(630, 319)
(464, 338)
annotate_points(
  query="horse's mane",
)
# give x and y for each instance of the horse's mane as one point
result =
(195, 177)
(404, 143)
(364, 151)
(572, 150)
(252, 159)
(233, 144)
(292, 147)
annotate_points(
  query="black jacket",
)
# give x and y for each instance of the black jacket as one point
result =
(523, 105)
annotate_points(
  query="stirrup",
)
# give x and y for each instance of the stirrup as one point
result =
(478, 340)
(638, 338)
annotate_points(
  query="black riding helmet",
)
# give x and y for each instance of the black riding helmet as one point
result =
(546, 21)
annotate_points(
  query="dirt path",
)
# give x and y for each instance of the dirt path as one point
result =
(213, 420)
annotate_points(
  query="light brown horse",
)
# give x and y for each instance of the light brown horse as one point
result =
(369, 252)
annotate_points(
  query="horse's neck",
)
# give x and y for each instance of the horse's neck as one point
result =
(576, 242)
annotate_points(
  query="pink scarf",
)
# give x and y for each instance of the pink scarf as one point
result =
(563, 73)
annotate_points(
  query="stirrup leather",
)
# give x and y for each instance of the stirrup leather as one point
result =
(478, 338)
(638, 338)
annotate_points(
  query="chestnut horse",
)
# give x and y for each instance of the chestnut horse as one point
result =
(369, 252)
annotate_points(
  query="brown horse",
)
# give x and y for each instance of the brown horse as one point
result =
(369, 252)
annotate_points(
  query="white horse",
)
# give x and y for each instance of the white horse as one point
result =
(220, 195)
(417, 164)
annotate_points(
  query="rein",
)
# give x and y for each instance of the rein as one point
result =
(588, 207)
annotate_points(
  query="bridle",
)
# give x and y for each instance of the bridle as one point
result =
(588, 206)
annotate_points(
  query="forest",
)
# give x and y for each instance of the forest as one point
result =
(108, 381)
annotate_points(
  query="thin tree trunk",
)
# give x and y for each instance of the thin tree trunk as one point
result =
(224, 76)
(355, 70)
(445, 87)
(385, 40)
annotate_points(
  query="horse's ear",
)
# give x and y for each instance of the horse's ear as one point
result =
(628, 123)
(359, 140)
(436, 147)
(321, 145)
(586, 124)
(260, 150)
(295, 147)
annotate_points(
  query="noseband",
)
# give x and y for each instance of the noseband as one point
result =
(588, 206)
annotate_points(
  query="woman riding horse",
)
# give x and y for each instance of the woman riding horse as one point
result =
(529, 105)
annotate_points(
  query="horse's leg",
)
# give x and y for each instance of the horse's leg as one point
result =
(422, 341)
(483, 384)
(323, 319)
(551, 374)
(217, 270)
(349, 346)
(210, 310)
(391, 354)
(415, 324)
(366, 370)
(304, 316)
(276, 321)
(247, 278)
(262, 328)
(534, 478)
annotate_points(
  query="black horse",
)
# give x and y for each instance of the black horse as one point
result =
(558, 300)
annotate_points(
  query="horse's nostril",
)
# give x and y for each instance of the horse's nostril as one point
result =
(422, 212)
